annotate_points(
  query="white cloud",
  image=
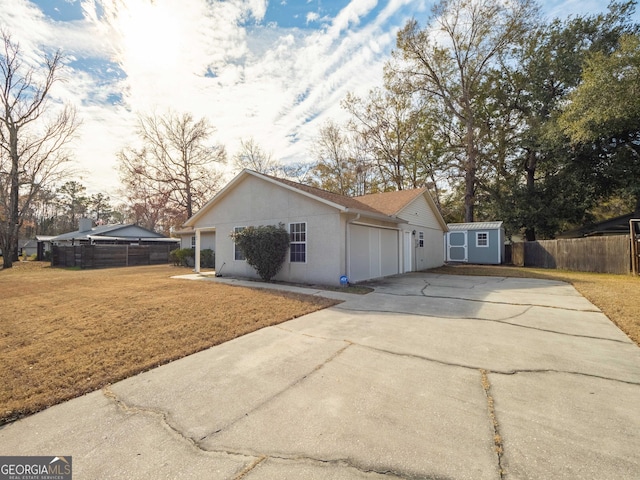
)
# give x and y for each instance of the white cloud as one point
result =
(275, 85)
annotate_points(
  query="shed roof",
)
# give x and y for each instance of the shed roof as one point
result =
(475, 226)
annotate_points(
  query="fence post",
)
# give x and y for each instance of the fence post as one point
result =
(635, 255)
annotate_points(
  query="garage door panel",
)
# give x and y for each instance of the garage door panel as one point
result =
(389, 245)
(373, 252)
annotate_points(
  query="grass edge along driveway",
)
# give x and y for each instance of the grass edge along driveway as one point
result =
(64, 333)
(616, 295)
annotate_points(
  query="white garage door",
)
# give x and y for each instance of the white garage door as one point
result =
(373, 253)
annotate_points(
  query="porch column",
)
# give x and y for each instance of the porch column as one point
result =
(197, 261)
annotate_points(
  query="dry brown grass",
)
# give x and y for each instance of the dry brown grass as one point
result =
(616, 295)
(64, 332)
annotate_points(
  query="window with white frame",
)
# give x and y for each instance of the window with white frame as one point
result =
(421, 239)
(298, 242)
(482, 239)
(193, 242)
(238, 254)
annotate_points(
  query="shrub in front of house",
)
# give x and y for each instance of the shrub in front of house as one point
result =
(180, 256)
(186, 257)
(264, 247)
(207, 258)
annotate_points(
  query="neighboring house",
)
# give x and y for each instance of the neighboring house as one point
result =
(331, 235)
(112, 235)
(477, 242)
(613, 226)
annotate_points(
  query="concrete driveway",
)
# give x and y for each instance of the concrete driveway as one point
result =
(429, 377)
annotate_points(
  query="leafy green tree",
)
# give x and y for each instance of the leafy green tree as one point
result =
(603, 110)
(74, 202)
(100, 205)
(538, 85)
(264, 247)
(449, 60)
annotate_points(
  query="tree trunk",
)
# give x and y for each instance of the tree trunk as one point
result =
(470, 175)
(11, 242)
(530, 231)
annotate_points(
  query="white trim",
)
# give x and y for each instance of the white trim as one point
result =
(306, 250)
(235, 230)
(478, 239)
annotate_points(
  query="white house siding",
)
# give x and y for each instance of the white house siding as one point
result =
(421, 218)
(255, 202)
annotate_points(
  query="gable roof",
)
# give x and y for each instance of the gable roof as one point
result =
(340, 202)
(392, 203)
(384, 206)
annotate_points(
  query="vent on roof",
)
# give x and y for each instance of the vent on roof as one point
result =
(84, 225)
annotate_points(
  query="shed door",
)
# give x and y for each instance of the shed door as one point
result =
(457, 247)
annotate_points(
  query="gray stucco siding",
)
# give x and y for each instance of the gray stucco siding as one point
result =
(254, 202)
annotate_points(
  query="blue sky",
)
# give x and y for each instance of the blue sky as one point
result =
(271, 70)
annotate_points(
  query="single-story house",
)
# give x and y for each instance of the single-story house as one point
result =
(476, 242)
(130, 234)
(331, 235)
(37, 246)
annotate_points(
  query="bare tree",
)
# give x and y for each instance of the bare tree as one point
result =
(253, 157)
(339, 166)
(32, 143)
(175, 162)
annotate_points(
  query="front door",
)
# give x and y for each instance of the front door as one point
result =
(407, 252)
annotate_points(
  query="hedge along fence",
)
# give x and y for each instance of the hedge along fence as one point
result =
(102, 256)
(608, 254)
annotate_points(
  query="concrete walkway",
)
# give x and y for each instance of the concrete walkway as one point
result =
(429, 377)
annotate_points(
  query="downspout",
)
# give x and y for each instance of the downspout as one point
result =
(348, 245)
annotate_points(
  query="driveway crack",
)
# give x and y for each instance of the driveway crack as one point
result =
(279, 393)
(504, 321)
(492, 302)
(497, 438)
(339, 462)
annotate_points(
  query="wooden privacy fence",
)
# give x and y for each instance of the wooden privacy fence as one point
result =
(101, 256)
(610, 254)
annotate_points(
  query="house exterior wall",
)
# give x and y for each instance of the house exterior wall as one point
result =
(207, 240)
(421, 218)
(256, 202)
